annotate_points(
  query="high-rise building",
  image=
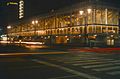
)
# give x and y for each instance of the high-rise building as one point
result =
(21, 9)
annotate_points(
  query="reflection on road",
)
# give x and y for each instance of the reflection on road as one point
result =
(35, 46)
(40, 43)
(31, 45)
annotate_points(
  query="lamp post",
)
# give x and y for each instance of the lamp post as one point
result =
(8, 28)
(35, 22)
(85, 15)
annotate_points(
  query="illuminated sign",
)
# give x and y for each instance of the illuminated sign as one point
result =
(12, 3)
(8, 3)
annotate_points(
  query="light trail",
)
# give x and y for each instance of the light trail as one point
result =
(15, 54)
(17, 42)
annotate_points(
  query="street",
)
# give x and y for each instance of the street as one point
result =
(70, 65)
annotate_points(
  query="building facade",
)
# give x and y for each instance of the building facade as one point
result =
(91, 23)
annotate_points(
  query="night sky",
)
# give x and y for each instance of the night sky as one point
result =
(44, 6)
(36, 7)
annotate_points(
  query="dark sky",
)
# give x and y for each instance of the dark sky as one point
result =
(44, 6)
(36, 7)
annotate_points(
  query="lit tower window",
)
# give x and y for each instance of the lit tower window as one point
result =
(21, 9)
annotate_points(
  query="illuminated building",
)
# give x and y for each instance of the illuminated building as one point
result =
(92, 23)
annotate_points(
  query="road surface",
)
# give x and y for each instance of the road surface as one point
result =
(70, 65)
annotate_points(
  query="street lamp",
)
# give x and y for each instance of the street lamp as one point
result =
(8, 28)
(35, 22)
(81, 12)
(89, 11)
(85, 15)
